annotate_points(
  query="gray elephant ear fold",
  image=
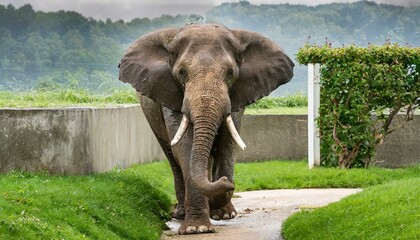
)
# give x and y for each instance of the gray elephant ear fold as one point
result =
(145, 66)
(263, 67)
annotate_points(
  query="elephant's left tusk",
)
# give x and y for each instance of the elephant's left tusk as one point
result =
(234, 133)
(181, 130)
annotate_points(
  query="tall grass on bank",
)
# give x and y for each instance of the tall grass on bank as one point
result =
(295, 100)
(65, 98)
(293, 104)
(115, 205)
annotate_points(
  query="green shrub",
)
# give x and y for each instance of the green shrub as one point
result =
(362, 91)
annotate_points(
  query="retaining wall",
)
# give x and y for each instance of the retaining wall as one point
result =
(274, 137)
(89, 140)
(75, 140)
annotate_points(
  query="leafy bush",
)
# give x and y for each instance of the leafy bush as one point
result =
(362, 91)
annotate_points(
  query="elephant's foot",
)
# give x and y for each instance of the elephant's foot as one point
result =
(226, 212)
(192, 226)
(179, 212)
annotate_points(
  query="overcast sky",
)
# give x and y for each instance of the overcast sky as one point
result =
(129, 9)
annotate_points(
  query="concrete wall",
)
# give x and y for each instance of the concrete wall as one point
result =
(286, 137)
(88, 140)
(75, 140)
(402, 147)
(274, 137)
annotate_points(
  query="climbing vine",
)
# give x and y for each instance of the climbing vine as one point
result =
(366, 94)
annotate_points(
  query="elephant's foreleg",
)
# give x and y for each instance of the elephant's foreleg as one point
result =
(197, 218)
(179, 212)
(194, 205)
(155, 115)
(177, 159)
(221, 206)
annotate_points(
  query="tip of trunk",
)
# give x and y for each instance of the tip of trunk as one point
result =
(211, 189)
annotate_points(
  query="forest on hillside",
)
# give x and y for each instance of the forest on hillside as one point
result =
(66, 49)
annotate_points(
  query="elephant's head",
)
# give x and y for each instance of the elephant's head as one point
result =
(206, 72)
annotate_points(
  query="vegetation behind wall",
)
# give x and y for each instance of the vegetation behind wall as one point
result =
(52, 50)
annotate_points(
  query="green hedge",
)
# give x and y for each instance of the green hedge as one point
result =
(366, 93)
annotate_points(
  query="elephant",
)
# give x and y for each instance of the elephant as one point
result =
(193, 84)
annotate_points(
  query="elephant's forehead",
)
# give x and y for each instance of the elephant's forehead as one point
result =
(202, 33)
(204, 28)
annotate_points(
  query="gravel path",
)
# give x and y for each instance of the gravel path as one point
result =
(261, 213)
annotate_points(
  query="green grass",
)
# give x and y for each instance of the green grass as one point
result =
(277, 110)
(115, 205)
(290, 101)
(293, 104)
(134, 203)
(388, 211)
(65, 98)
(284, 174)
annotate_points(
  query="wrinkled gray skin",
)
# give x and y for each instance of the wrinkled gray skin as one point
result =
(206, 72)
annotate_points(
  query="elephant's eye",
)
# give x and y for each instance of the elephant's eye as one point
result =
(229, 73)
(229, 77)
(183, 74)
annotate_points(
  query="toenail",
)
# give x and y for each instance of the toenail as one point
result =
(203, 228)
(191, 229)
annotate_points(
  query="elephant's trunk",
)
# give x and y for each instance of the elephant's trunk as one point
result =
(206, 108)
(204, 133)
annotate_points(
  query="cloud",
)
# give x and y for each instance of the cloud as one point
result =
(120, 9)
(129, 9)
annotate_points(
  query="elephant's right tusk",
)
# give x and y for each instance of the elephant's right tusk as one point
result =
(181, 130)
(234, 133)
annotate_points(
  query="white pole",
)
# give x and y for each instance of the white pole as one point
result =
(314, 156)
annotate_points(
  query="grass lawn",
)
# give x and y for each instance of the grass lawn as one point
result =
(134, 203)
(388, 211)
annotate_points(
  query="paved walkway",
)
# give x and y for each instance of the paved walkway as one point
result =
(261, 213)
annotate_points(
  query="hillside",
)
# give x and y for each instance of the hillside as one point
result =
(67, 49)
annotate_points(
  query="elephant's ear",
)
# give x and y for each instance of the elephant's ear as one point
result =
(145, 66)
(264, 67)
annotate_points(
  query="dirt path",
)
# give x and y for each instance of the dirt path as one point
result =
(261, 213)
